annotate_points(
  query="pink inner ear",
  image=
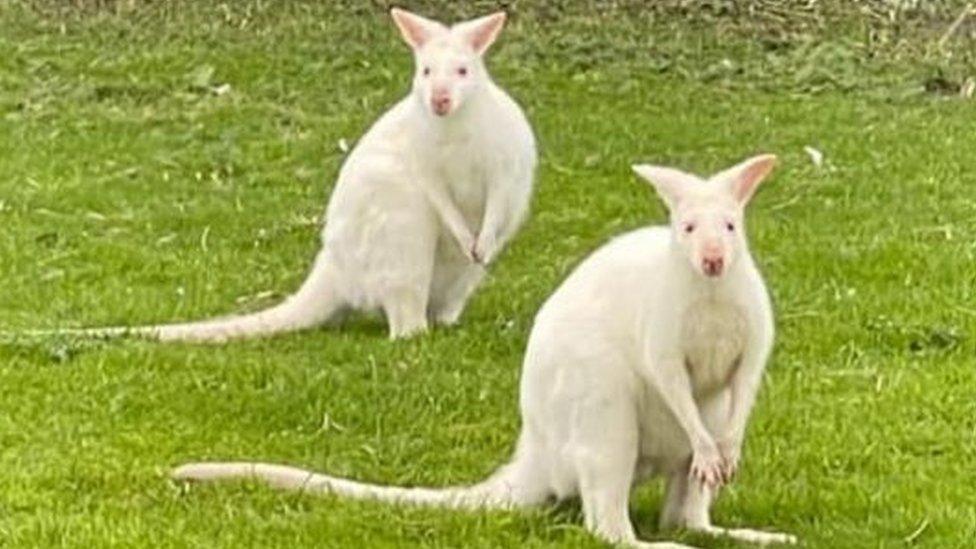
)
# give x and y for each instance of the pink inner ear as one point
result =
(670, 184)
(484, 34)
(751, 176)
(413, 28)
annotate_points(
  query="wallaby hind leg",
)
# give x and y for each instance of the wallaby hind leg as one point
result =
(605, 486)
(406, 312)
(605, 461)
(672, 510)
(695, 501)
(453, 283)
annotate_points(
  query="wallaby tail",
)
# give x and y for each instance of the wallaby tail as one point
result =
(503, 490)
(314, 303)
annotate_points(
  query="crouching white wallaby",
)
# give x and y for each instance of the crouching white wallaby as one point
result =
(646, 361)
(426, 199)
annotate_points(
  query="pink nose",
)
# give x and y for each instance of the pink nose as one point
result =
(441, 104)
(712, 266)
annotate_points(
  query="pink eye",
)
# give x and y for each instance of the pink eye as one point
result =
(689, 228)
(463, 71)
(730, 227)
(426, 71)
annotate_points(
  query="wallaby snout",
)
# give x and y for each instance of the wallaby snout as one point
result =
(712, 260)
(713, 265)
(440, 102)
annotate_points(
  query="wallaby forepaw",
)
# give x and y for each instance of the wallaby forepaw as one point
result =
(484, 250)
(468, 246)
(707, 467)
(475, 257)
(730, 452)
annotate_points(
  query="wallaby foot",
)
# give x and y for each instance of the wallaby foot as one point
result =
(687, 504)
(405, 314)
(755, 537)
(454, 284)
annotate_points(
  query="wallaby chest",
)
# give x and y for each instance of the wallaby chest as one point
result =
(464, 164)
(714, 334)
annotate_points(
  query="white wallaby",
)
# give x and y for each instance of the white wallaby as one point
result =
(426, 199)
(646, 361)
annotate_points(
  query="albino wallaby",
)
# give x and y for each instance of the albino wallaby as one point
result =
(646, 361)
(426, 199)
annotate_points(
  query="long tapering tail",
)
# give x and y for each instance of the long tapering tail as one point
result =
(314, 303)
(503, 490)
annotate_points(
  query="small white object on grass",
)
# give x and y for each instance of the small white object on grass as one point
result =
(815, 155)
(968, 87)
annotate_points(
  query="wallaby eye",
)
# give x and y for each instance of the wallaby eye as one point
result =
(426, 71)
(689, 228)
(463, 71)
(730, 227)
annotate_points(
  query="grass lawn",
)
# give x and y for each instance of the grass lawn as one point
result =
(168, 163)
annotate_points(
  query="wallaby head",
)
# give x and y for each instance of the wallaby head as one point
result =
(449, 61)
(707, 215)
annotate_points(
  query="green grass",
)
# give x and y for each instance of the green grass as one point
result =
(131, 192)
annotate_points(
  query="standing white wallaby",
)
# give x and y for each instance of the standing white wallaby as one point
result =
(426, 199)
(646, 361)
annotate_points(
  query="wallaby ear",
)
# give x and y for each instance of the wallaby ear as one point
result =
(416, 30)
(481, 33)
(743, 178)
(670, 184)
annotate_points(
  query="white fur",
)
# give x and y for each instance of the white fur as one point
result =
(640, 364)
(426, 199)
